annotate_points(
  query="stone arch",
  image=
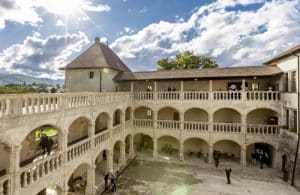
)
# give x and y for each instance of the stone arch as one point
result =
(78, 130)
(195, 147)
(102, 122)
(267, 150)
(128, 113)
(5, 153)
(168, 145)
(128, 140)
(117, 116)
(81, 171)
(118, 149)
(31, 150)
(228, 149)
(196, 115)
(226, 115)
(102, 165)
(50, 189)
(168, 113)
(143, 143)
(265, 116)
(143, 112)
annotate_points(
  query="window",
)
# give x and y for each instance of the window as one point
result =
(293, 81)
(287, 118)
(91, 75)
(286, 82)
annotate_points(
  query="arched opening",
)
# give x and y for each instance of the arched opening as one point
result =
(102, 167)
(42, 141)
(78, 130)
(226, 115)
(128, 114)
(168, 113)
(196, 115)
(102, 122)
(168, 147)
(262, 116)
(5, 152)
(51, 190)
(78, 180)
(143, 113)
(257, 152)
(143, 144)
(228, 151)
(117, 117)
(128, 139)
(195, 149)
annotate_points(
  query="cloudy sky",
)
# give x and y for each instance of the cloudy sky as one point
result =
(39, 36)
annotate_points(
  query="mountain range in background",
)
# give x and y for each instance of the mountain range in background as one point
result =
(20, 78)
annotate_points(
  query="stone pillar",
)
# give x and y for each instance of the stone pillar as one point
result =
(155, 90)
(15, 167)
(90, 186)
(181, 151)
(210, 122)
(243, 156)
(210, 155)
(110, 160)
(122, 157)
(181, 97)
(131, 86)
(210, 95)
(243, 91)
(243, 123)
(181, 123)
(154, 148)
(154, 113)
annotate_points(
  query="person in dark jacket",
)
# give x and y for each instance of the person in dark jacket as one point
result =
(228, 171)
(106, 177)
(44, 143)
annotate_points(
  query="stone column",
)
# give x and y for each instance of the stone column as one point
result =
(181, 151)
(15, 167)
(155, 90)
(243, 92)
(210, 95)
(181, 97)
(243, 123)
(210, 155)
(243, 155)
(154, 148)
(122, 157)
(90, 186)
(131, 86)
(210, 122)
(181, 123)
(110, 160)
(154, 113)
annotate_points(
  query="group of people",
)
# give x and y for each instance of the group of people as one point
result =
(113, 180)
(46, 143)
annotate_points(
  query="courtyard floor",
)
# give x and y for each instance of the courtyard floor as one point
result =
(166, 175)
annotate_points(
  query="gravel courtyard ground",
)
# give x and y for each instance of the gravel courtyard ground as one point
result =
(168, 178)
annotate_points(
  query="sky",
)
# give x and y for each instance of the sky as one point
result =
(39, 36)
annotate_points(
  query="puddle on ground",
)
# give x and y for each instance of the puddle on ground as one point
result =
(159, 172)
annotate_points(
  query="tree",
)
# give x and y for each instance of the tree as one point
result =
(53, 90)
(186, 60)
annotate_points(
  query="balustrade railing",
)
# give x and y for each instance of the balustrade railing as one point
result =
(168, 124)
(227, 127)
(227, 95)
(263, 95)
(117, 129)
(263, 129)
(5, 185)
(196, 95)
(143, 96)
(78, 149)
(195, 126)
(101, 137)
(35, 171)
(168, 95)
(143, 123)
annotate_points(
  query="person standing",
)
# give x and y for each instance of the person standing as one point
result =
(44, 143)
(228, 171)
(261, 161)
(106, 177)
(113, 183)
(49, 145)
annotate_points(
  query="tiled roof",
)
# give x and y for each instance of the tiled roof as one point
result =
(242, 71)
(97, 55)
(287, 53)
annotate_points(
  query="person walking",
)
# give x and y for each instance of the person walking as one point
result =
(49, 145)
(113, 183)
(228, 171)
(44, 142)
(261, 161)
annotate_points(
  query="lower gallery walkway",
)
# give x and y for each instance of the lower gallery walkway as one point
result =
(169, 176)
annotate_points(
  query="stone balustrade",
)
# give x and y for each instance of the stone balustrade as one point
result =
(78, 149)
(101, 137)
(117, 129)
(263, 129)
(195, 126)
(5, 183)
(168, 124)
(204, 126)
(25, 104)
(209, 95)
(35, 171)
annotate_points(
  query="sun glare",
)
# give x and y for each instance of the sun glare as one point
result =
(64, 7)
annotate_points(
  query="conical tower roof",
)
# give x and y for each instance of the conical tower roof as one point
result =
(97, 55)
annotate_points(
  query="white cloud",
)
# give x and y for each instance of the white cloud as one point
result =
(128, 30)
(41, 57)
(59, 23)
(142, 11)
(30, 11)
(231, 36)
(103, 40)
